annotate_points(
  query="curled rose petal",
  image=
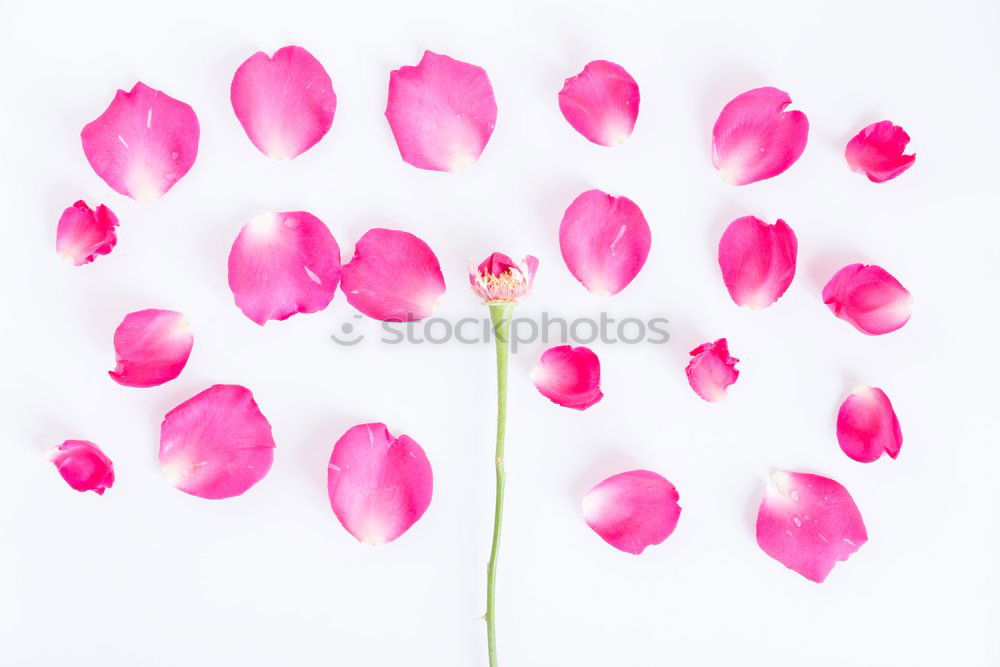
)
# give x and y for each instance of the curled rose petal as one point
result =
(877, 152)
(869, 298)
(498, 278)
(569, 376)
(394, 277)
(441, 112)
(216, 444)
(754, 137)
(604, 241)
(151, 347)
(757, 261)
(143, 143)
(282, 264)
(284, 102)
(711, 370)
(84, 233)
(632, 510)
(867, 425)
(808, 523)
(379, 485)
(83, 465)
(601, 103)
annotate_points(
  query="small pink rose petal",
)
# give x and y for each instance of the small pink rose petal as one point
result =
(757, 261)
(441, 112)
(711, 370)
(867, 426)
(143, 143)
(569, 376)
(151, 347)
(601, 103)
(216, 444)
(809, 523)
(83, 465)
(868, 297)
(604, 241)
(84, 233)
(285, 102)
(632, 510)
(379, 485)
(282, 264)
(877, 152)
(394, 277)
(754, 137)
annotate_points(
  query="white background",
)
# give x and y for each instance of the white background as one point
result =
(149, 576)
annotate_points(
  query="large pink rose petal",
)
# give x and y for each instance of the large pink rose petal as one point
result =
(877, 152)
(711, 370)
(282, 264)
(151, 347)
(379, 485)
(757, 261)
(83, 465)
(632, 510)
(84, 233)
(604, 241)
(569, 376)
(868, 297)
(394, 276)
(601, 103)
(143, 143)
(441, 112)
(284, 102)
(754, 137)
(216, 444)
(809, 523)
(867, 425)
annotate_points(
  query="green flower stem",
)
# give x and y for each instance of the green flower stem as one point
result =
(500, 314)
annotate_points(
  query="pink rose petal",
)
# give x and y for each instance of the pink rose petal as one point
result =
(604, 240)
(83, 465)
(151, 347)
(632, 510)
(394, 276)
(379, 485)
(441, 112)
(711, 370)
(757, 261)
(143, 143)
(869, 298)
(282, 264)
(809, 523)
(754, 137)
(867, 425)
(569, 376)
(877, 152)
(216, 444)
(601, 103)
(284, 102)
(84, 233)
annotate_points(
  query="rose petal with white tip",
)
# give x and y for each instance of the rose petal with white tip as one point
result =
(867, 426)
(83, 465)
(216, 444)
(868, 297)
(877, 152)
(604, 241)
(757, 261)
(284, 102)
(441, 112)
(84, 233)
(151, 347)
(569, 376)
(809, 523)
(143, 143)
(711, 370)
(379, 485)
(632, 510)
(394, 276)
(282, 264)
(601, 103)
